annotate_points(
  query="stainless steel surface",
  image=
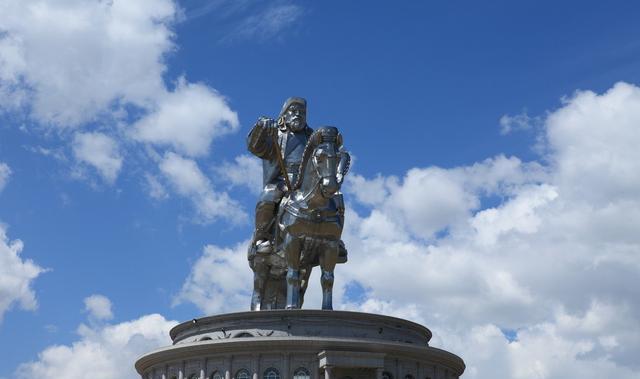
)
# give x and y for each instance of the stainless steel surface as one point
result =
(302, 174)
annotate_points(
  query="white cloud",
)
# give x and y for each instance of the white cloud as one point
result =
(98, 307)
(371, 191)
(429, 200)
(184, 174)
(220, 280)
(517, 215)
(16, 276)
(102, 352)
(593, 140)
(187, 119)
(519, 122)
(12, 92)
(551, 349)
(5, 173)
(76, 58)
(188, 180)
(267, 23)
(99, 151)
(155, 189)
(555, 260)
(87, 64)
(245, 170)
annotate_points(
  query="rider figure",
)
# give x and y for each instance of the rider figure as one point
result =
(291, 132)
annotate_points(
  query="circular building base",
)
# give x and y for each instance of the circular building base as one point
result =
(300, 344)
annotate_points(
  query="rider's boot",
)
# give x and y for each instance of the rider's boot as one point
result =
(293, 289)
(326, 281)
(265, 212)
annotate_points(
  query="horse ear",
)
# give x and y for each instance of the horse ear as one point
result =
(339, 140)
(316, 138)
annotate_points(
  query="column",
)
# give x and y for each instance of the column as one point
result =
(379, 372)
(227, 368)
(203, 368)
(227, 363)
(256, 366)
(328, 372)
(286, 371)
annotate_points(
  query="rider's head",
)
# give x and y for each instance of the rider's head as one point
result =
(294, 114)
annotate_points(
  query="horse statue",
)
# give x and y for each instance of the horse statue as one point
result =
(308, 228)
(311, 220)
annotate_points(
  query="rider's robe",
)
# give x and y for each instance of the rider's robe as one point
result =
(292, 144)
(260, 143)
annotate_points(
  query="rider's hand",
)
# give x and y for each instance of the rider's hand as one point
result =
(266, 123)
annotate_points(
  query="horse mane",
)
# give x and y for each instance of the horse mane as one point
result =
(323, 134)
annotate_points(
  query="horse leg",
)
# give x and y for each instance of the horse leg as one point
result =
(306, 273)
(292, 248)
(259, 283)
(328, 260)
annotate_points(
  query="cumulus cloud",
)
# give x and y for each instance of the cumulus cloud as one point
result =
(99, 151)
(553, 262)
(245, 170)
(593, 142)
(98, 307)
(187, 119)
(76, 58)
(219, 281)
(16, 276)
(103, 352)
(446, 197)
(565, 346)
(99, 64)
(187, 179)
(5, 173)
(526, 269)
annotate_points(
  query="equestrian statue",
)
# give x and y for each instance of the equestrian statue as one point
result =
(300, 213)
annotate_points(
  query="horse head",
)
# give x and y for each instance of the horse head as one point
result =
(322, 159)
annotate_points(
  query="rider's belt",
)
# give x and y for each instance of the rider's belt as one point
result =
(316, 216)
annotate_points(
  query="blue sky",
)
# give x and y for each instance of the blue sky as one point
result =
(495, 160)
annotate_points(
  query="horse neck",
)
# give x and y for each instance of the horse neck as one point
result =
(310, 189)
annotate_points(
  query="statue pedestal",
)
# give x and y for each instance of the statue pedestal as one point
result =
(300, 344)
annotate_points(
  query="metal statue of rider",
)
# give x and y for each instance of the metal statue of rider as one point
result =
(291, 132)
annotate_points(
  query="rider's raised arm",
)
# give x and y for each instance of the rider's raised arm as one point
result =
(260, 138)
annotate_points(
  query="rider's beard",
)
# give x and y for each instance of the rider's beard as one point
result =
(296, 125)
